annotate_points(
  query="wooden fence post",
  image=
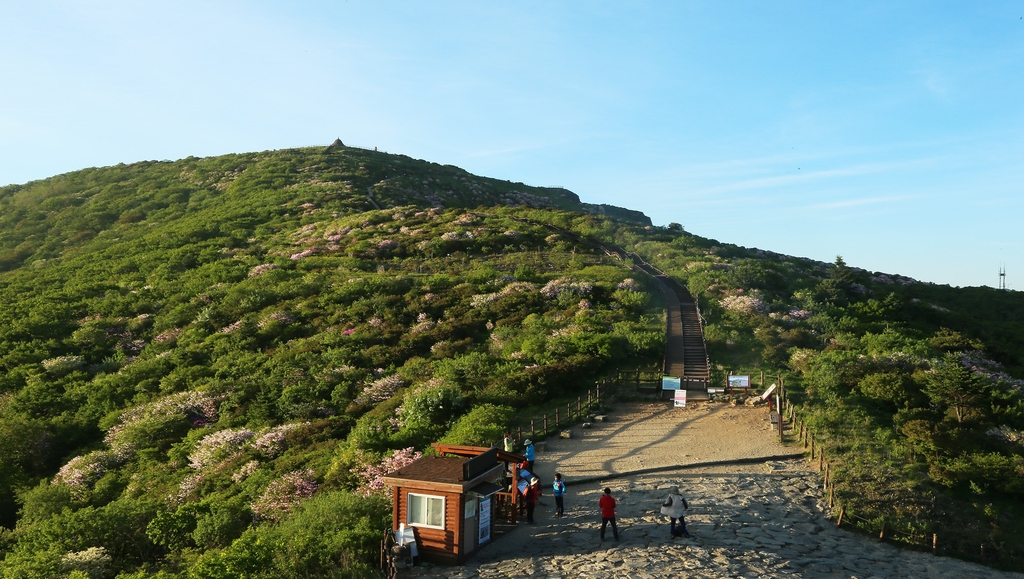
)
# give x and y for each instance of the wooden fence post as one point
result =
(831, 495)
(533, 430)
(568, 411)
(579, 406)
(545, 424)
(842, 511)
(935, 543)
(519, 432)
(881, 534)
(557, 427)
(821, 459)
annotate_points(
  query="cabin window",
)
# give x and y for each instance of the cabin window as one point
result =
(426, 511)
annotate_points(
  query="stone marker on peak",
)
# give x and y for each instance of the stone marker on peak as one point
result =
(335, 145)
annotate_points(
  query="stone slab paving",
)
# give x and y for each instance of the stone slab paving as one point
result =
(756, 525)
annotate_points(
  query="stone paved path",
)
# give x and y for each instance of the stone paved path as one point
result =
(758, 521)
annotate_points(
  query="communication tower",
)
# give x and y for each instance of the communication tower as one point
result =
(1002, 277)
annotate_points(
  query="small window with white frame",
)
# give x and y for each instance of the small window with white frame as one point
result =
(426, 511)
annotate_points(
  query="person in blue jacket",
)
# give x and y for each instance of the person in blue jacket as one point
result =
(558, 489)
(529, 454)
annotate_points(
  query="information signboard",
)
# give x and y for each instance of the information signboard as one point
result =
(739, 381)
(670, 383)
(485, 521)
(679, 399)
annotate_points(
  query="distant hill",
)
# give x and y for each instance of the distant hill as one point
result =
(46, 218)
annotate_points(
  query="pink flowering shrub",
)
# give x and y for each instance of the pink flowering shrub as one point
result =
(280, 318)
(371, 474)
(993, 371)
(81, 472)
(303, 254)
(283, 494)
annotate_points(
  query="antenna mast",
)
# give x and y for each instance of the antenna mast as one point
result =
(1002, 277)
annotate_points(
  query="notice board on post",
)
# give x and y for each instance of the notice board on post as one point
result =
(671, 382)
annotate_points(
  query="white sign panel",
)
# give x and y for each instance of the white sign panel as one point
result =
(679, 399)
(485, 521)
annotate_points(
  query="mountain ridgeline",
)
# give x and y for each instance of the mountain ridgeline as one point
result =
(207, 365)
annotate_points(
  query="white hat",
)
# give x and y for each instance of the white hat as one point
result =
(527, 442)
(534, 480)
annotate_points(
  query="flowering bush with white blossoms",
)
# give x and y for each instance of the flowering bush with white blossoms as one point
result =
(215, 447)
(92, 562)
(512, 288)
(167, 336)
(744, 304)
(63, 364)
(245, 471)
(564, 285)
(628, 284)
(380, 390)
(195, 407)
(283, 494)
(272, 442)
(262, 269)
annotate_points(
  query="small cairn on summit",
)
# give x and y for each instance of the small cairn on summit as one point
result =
(337, 144)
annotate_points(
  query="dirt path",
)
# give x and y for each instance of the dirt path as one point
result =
(647, 435)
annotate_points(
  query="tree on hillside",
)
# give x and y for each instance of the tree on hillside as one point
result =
(956, 387)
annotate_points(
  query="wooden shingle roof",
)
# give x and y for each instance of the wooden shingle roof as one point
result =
(440, 469)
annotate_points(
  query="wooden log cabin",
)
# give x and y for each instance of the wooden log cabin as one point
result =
(451, 502)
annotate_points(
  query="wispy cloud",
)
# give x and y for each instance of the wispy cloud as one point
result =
(861, 202)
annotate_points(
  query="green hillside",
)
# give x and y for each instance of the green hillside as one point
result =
(190, 349)
(913, 389)
(207, 364)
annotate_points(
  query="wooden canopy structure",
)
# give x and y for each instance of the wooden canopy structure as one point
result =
(507, 500)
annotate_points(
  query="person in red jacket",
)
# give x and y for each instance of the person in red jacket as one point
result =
(532, 494)
(607, 504)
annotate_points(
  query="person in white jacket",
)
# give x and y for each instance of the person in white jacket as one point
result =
(673, 507)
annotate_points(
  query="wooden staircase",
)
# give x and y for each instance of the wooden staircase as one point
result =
(685, 352)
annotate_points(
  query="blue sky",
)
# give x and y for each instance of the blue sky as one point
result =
(889, 133)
